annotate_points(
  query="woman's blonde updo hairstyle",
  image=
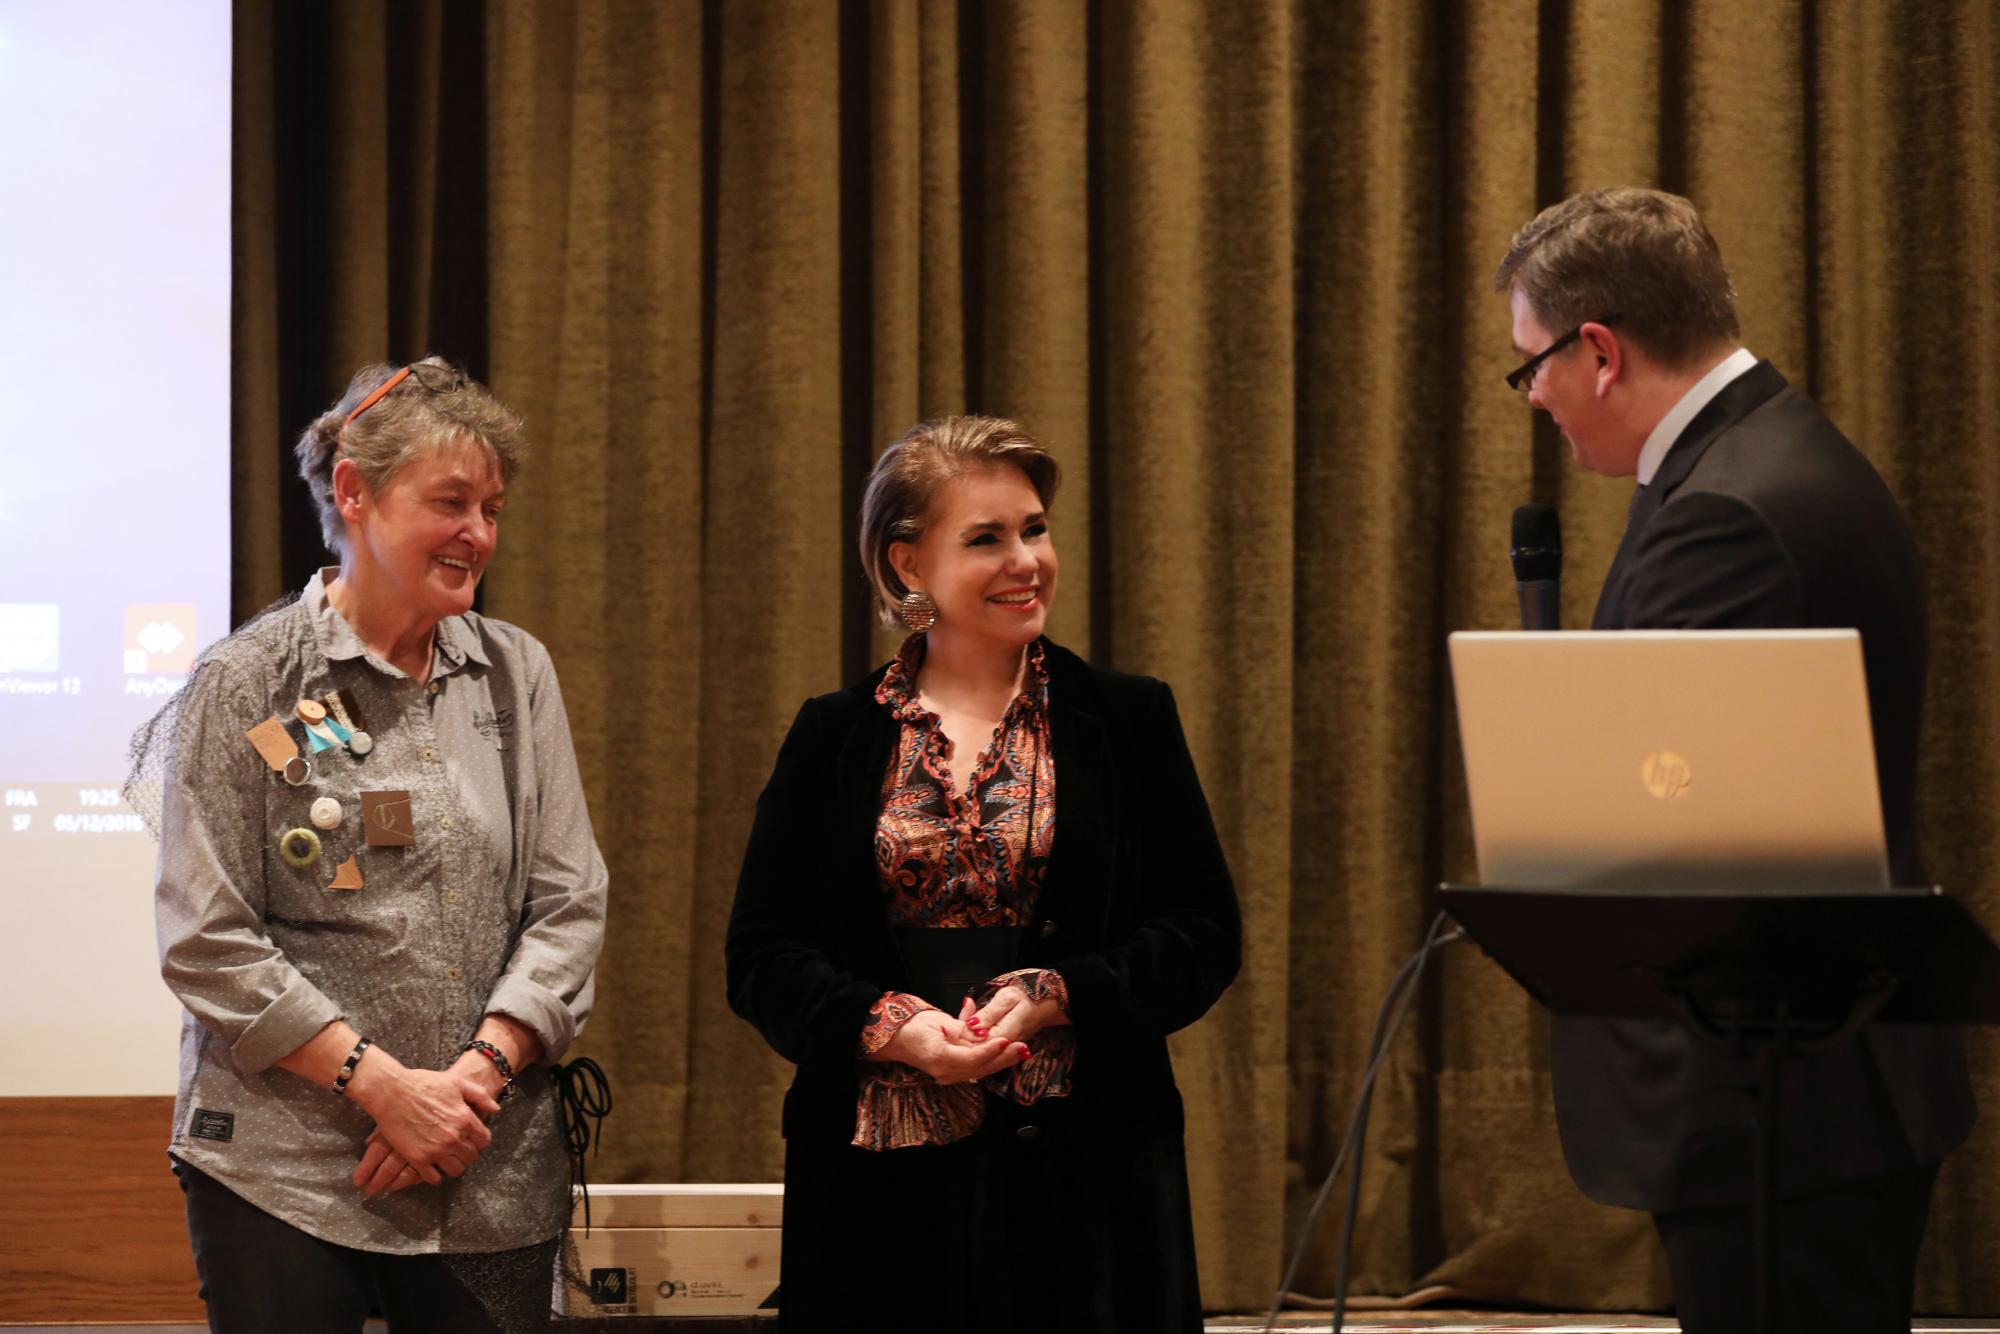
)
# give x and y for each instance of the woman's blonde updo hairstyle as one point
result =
(408, 422)
(896, 506)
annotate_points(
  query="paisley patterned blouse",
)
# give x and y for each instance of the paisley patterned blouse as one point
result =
(950, 858)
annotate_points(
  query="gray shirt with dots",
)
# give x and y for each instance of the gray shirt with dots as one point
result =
(497, 908)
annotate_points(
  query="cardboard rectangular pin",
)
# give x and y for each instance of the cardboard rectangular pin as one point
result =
(273, 741)
(388, 819)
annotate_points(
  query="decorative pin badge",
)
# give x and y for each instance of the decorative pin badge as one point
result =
(325, 734)
(359, 743)
(388, 819)
(299, 848)
(348, 875)
(298, 771)
(326, 813)
(274, 742)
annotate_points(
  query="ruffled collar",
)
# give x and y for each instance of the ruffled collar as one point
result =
(898, 689)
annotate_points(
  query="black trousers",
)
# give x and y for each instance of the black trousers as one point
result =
(260, 1274)
(1847, 1259)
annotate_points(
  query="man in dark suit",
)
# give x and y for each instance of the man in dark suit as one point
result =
(1752, 511)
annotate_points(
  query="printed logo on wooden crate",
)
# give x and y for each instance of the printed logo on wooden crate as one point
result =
(611, 1291)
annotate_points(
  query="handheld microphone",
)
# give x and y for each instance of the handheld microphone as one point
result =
(1537, 549)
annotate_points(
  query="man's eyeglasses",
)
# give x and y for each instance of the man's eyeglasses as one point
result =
(1522, 377)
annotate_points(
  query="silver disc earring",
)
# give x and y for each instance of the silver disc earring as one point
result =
(918, 611)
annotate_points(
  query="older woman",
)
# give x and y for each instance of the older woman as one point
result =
(982, 888)
(379, 901)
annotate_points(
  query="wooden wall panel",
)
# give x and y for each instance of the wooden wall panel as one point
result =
(91, 1228)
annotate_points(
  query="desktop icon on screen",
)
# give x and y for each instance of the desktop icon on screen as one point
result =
(159, 638)
(29, 632)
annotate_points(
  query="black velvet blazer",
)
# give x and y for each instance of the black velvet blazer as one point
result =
(1138, 911)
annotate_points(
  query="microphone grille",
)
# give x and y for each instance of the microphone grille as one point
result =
(1537, 545)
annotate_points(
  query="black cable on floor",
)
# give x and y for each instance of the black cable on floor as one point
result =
(1388, 1022)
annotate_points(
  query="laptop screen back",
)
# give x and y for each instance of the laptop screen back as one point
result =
(1687, 760)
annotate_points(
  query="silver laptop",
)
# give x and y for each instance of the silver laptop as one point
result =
(1730, 761)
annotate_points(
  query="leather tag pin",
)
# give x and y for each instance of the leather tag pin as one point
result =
(387, 818)
(274, 742)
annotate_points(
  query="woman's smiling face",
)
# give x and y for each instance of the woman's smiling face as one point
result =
(431, 530)
(986, 557)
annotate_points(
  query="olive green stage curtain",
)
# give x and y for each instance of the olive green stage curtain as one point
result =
(1232, 262)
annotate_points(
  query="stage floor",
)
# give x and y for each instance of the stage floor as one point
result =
(1292, 1322)
(1493, 1322)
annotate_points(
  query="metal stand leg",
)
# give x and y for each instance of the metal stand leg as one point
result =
(1772, 1039)
(1770, 1057)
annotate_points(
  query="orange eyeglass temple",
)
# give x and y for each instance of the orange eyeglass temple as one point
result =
(376, 397)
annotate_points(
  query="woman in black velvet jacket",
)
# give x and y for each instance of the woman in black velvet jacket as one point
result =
(1063, 1211)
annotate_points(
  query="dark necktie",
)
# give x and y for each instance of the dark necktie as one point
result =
(1632, 510)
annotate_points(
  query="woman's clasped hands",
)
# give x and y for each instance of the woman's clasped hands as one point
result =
(1012, 1015)
(981, 1041)
(429, 1124)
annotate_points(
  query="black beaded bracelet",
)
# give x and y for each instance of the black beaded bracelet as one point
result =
(347, 1066)
(500, 1063)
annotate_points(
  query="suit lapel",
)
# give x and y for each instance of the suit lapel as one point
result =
(1738, 399)
(1609, 614)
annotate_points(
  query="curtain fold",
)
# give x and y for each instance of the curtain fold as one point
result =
(1233, 265)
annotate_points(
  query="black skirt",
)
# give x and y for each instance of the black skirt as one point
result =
(1043, 1220)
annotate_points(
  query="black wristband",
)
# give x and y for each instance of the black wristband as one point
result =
(500, 1063)
(347, 1066)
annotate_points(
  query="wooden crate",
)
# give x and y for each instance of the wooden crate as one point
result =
(673, 1250)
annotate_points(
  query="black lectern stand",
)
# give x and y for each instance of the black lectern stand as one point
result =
(1770, 974)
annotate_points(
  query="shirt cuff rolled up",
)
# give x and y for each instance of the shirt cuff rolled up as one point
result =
(541, 1010)
(285, 1025)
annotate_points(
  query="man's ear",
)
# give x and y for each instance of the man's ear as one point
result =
(1605, 345)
